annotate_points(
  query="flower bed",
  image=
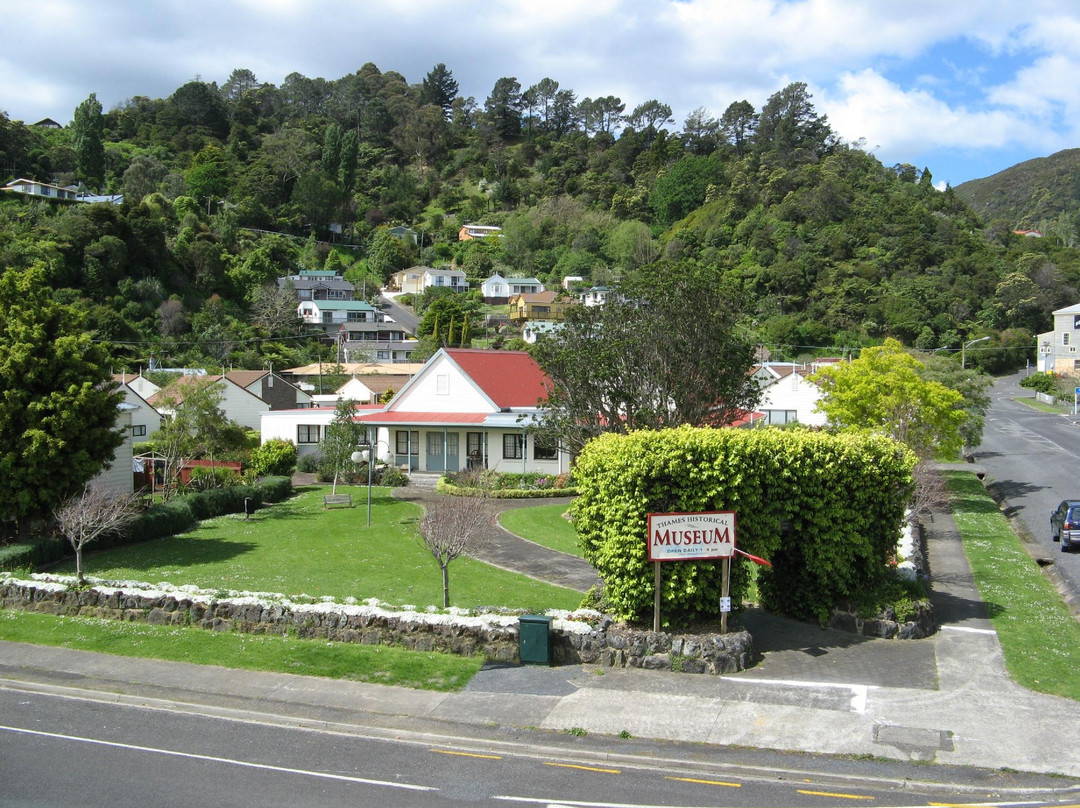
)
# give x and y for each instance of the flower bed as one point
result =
(506, 484)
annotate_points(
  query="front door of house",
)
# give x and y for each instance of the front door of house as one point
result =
(442, 451)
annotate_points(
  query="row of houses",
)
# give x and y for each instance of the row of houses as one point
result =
(463, 409)
(471, 409)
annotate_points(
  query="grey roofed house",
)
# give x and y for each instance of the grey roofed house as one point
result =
(319, 286)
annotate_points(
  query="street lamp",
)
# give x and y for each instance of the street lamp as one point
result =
(963, 350)
(363, 455)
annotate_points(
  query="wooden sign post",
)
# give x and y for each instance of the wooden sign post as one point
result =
(692, 537)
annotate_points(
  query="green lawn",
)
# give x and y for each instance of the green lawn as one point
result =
(297, 547)
(360, 663)
(543, 524)
(1039, 637)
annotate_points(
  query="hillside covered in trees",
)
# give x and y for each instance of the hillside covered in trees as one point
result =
(1041, 194)
(226, 188)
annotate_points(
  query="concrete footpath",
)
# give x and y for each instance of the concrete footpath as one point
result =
(946, 699)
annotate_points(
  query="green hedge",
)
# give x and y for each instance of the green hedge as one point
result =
(841, 497)
(164, 519)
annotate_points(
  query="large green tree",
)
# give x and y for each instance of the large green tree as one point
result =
(58, 404)
(883, 390)
(440, 88)
(88, 138)
(664, 350)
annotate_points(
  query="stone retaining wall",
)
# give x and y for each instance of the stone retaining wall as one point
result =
(495, 637)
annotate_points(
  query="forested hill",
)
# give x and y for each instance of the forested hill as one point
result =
(1041, 194)
(227, 188)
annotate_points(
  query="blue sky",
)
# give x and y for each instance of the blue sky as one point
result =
(964, 89)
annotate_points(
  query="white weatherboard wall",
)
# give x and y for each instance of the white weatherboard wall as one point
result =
(441, 387)
(241, 406)
(118, 477)
(794, 392)
(283, 425)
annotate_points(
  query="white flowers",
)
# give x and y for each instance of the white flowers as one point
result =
(578, 622)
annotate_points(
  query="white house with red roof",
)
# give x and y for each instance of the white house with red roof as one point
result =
(463, 409)
(468, 409)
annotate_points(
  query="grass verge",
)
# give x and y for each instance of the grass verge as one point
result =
(1040, 639)
(382, 665)
(543, 524)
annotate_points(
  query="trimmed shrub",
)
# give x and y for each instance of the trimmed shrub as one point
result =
(825, 509)
(274, 489)
(391, 476)
(205, 478)
(309, 463)
(276, 456)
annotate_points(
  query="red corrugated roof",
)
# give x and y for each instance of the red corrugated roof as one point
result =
(509, 378)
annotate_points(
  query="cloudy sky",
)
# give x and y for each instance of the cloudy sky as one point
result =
(966, 89)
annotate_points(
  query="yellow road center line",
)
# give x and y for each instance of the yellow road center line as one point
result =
(704, 782)
(466, 754)
(583, 768)
(837, 796)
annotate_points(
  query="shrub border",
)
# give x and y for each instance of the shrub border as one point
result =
(449, 489)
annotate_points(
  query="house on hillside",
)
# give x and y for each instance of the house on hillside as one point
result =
(68, 193)
(548, 305)
(415, 280)
(533, 331)
(402, 233)
(498, 290)
(320, 285)
(594, 296)
(1059, 350)
(467, 232)
(330, 315)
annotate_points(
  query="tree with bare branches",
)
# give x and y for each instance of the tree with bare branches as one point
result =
(454, 527)
(86, 517)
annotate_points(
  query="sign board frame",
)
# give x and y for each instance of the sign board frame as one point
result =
(701, 536)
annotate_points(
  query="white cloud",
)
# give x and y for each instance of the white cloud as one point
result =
(865, 62)
(895, 121)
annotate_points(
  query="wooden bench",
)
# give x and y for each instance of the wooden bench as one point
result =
(337, 499)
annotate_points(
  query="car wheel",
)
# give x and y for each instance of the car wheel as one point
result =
(1065, 546)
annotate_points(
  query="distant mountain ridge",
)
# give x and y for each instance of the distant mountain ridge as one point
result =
(1029, 194)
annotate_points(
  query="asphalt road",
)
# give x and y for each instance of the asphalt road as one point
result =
(399, 314)
(61, 749)
(1032, 462)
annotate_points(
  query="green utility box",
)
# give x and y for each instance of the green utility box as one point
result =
(534, 639)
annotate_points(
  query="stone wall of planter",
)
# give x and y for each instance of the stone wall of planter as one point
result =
(493, 636)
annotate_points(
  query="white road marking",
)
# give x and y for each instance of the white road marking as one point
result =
(969, 630)
(859, 693)
(1007, 426)
(211, 759)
